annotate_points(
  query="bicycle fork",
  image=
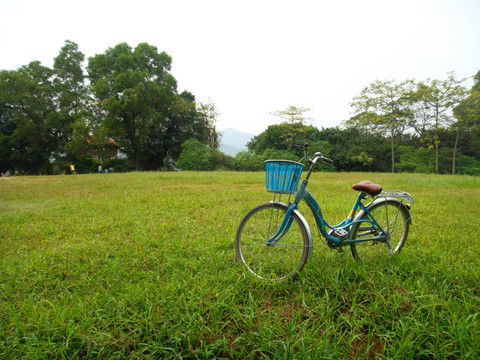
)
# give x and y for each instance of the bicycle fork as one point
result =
(284, 226)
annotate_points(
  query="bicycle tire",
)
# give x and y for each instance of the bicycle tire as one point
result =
(276, 262)
(394, 218)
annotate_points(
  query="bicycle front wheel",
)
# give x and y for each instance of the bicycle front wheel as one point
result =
(278, 261)
(394, 220)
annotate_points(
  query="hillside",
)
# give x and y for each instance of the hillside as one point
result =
(234, 141)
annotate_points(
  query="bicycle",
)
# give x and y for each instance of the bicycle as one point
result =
(273, 240)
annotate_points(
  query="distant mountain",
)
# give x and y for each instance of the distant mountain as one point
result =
(234, 141)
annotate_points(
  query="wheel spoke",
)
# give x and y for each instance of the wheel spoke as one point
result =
(276, 261)
(292, 245)
(394, 222)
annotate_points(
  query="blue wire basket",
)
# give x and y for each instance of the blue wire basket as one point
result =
(282, 176)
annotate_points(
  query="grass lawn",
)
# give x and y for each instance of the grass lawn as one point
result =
(142, 265)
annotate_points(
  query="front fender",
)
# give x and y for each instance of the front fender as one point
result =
(302, 219)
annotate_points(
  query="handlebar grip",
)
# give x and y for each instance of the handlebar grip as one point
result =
(328, 160)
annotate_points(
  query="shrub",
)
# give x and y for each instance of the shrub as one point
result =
(248, 161)
(200, 157)
(86, 165)
(415, 160)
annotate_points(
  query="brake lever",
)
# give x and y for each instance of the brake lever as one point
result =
(322, 158)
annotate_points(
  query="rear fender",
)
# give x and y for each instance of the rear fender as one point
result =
(403, 206)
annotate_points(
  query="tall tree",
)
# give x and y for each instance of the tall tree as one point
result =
(384, 108)
(437, 99)
(70, 126)
(295, 122)
(26, 107)
(137, 90)
(207, 115)
(144, 112)
(467, 113)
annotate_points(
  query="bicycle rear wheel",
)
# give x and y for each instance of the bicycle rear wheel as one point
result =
(394, 220)
(278, 261)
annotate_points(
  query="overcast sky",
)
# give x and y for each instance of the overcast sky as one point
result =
(252, 58)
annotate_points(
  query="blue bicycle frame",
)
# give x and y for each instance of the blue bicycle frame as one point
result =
(345, 226)
(343, 229)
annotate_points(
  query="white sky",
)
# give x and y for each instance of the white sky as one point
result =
(253, 57)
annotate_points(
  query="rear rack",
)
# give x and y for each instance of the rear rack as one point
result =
(396, 194)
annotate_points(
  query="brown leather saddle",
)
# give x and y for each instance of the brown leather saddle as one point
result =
(368, 187)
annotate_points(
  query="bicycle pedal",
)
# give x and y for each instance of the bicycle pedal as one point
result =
(340, 233)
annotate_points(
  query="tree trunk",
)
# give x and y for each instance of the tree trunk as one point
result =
(437, 138)
(455, 152)
(393, 154)
(137, 160)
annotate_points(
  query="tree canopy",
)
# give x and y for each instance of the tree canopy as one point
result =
(145, 114)
(130, 98)
(383, 108)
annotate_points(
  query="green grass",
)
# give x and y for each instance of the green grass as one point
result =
(142, 265)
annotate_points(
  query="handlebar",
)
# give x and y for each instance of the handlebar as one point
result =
(319, 156)
(316, 157)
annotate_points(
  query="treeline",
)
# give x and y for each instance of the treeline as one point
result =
(126, 101)
(425, 127)
(351, 148)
